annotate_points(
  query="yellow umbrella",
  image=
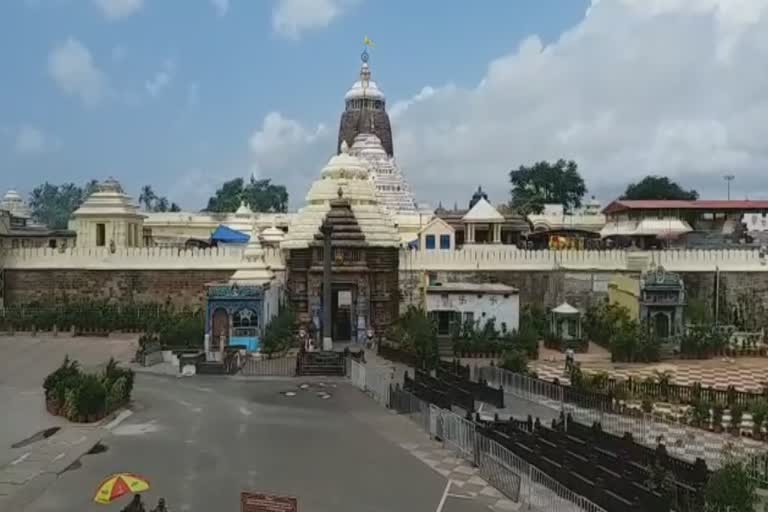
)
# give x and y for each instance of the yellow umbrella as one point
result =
(118, 485)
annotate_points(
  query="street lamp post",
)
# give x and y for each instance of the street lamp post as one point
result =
(729, 178)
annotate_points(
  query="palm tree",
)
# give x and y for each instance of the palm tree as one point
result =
(161, 205)
(147, 197)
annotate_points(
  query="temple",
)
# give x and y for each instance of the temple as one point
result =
(343, 214)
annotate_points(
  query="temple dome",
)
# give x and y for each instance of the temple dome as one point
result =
(108, 199)
(253, 270)
(344, 177)
(244, 210)
(346, 173)
(365, 87)
(13, 203)
(273, 235)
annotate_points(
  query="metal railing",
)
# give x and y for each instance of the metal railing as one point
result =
(681, 440)
(375, 381)
(511, 475)
(277, 367)
(357, 374)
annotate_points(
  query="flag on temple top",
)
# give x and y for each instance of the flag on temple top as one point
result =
(368, 42)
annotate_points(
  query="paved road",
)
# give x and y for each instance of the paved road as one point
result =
(203, 440)
(24, 363)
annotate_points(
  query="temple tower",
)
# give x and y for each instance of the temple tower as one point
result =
(365, 112)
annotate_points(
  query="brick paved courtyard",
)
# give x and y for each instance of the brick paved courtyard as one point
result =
(746, 373)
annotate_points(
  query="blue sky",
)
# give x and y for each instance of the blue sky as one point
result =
(172, 93)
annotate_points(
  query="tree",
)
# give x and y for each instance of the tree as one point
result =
(263, 196)
(259, 195)
(227, 197)
(658, 187)
(416, 334)
(546, 183)
(52, 205)
(730, 490)
(154, 203)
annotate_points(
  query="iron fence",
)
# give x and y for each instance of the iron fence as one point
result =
(375, 381)
(357, 374)
(511, 475)
(500, 467)
(265, 367)
(681, 440)
(409, 405)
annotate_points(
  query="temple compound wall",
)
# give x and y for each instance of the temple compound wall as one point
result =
(542, 277)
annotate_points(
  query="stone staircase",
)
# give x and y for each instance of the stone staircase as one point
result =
(210, 368)
(445, 347)
(321, 363)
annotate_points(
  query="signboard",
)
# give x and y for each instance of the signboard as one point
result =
(345, 298)
(259, 502)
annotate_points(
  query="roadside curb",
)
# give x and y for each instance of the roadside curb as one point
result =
(26, 478)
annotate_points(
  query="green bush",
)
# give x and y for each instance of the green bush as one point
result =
(82, 396)
(279, 333)
(730, 489)
(514, 361)
(415, 332)
(92, 399)
(179, 327)
(60, 379)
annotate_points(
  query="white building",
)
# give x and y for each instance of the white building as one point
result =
(108, 218)
(448, 303)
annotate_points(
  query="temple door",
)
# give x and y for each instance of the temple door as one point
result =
(220, 330)
(661, 322)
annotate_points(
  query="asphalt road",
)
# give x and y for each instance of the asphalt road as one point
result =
(201, 441)
(25, 361)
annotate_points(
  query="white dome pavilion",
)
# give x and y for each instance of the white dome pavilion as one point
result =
(13, 203)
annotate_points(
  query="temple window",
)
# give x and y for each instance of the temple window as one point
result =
(430, 241)
(445, 241)
(245, 322)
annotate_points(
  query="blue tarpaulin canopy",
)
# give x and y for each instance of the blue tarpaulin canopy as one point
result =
(226, 235)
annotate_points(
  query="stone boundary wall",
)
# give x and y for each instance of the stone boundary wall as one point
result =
(480, 258)
(511, 258)
(152, 258)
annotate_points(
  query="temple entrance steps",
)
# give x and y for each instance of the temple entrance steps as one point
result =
(321, 363)
(445, 346)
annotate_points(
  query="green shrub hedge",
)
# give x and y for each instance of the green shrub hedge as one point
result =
(81, 397)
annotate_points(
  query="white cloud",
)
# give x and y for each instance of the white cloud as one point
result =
(290, 153)
(291, 17)
(32, 141)
(221, 6)
(637, 87)
(117, 9)
(161, 79)
(74, 71)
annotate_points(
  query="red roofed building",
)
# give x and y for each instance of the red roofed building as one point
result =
(661, 223)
